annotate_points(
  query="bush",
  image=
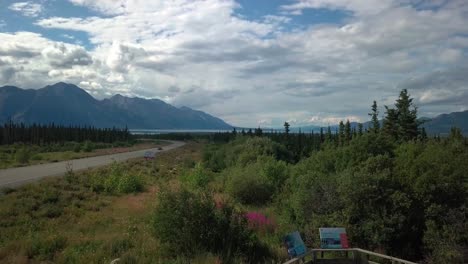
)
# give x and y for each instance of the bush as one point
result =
(117, 181)
(197, 178)
(46, 248)
(189, 223)
(22, 155)
(51, 211)
(76, 147)
(249, 185)
(184, 222)
(88, 146)
(36, 157)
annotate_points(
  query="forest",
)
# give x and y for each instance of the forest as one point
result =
(42, 134)
(396, 190)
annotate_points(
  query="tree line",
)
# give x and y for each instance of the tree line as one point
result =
(41, 134)
(399, 123)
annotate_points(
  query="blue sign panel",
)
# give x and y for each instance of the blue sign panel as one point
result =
(295, 245)
(333, 238)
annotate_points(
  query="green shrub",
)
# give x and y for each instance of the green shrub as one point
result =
(45, 248)
(36, 157)
(88, 146)
(76, 147)
(249, 185)
(23, 155)
(183, 221)
(275, 171)
(116, 181)
(197, 178)
(51, 211)
(189, 223)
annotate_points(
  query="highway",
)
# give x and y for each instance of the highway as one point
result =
(15, 177)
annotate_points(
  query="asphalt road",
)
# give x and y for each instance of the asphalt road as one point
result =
(15, 177)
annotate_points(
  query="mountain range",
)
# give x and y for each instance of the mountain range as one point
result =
(68, 104)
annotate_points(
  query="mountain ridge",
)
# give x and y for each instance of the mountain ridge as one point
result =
(68, 104)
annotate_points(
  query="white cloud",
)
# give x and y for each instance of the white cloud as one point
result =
(251, 72)
(361, 7)
(28, 9)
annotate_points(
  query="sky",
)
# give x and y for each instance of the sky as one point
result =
(251, 63)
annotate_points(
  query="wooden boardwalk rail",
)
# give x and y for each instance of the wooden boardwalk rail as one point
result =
(350, 256)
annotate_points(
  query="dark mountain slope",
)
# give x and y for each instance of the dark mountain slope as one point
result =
(66, 104)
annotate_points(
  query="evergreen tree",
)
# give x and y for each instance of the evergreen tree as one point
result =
(258, 132)
(360, 129)
(390, 123)
(286, 128)
(407, 117)
(329, 135)
(341, 133)
(455, 134)
(423, 134)
(375, 118)
(347, 131)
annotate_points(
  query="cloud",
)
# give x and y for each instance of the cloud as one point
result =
(63, 56)
(250, 71)
(28, 9)
(37, 61)
(449, 86)
(361, 7)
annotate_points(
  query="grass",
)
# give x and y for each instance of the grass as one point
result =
(24, 155)
(72, 220)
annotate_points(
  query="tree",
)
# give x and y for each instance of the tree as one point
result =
(360, 128)
(258, 132)
(328, 137)
(455, 134)
(407, 117)
(286, 128)
(347, 131)
(341, 133)
(375, 118)
(390, 123)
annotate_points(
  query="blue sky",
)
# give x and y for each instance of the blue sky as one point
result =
(309, 62)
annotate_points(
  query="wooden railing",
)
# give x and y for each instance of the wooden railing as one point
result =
(351, 256)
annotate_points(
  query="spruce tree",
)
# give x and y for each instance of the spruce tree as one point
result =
(375, 118)
(286, 128)
(347, 131)
(360, 129)
(407, 117)
(341, 133)
(390, 123)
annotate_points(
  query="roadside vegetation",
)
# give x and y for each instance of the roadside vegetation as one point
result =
(22, 144)
(94, 216)
(19, 154)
